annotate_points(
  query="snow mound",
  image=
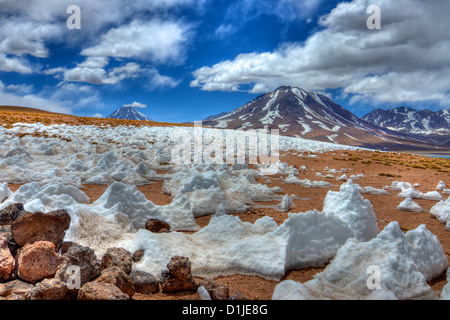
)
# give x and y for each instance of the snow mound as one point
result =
(391, 266)
(5, 192)
(441, 186)
(445, 294)
(399, 186)
(441, 211)
(206, 188)
(349, 205)
(306, 183)
(409, 205)
(50, 197)
(414, 194)
(128, 200)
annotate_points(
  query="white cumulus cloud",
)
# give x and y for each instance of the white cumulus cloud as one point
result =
(136, 105)
(407, 60)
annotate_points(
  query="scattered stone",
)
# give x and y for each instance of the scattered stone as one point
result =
(137, 256)
(101, 291)
(82, 257)
(118, 257)
(144, 282)
(217, 291)
(238, 296)
(50, 289)
(157, 226)
(15, 290)
(37, 261)
(116, 276)
(11, 213)
(7, 262)
(38, 226)
(178, 277)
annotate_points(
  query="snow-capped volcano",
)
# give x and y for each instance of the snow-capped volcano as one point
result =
(409, 120)
(297, 112)
(128, 113)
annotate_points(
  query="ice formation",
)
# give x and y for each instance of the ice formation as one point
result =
(306, 183)
(441, 211)
(441, 186)
(206, 188)
(391, 266)
(409, 205)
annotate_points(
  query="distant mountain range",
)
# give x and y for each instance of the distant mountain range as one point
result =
(408, 120)
(299, 113)
(128, 113)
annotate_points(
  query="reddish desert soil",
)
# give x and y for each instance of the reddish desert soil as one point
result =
(379, 169)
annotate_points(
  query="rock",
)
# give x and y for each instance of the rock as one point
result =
(65, 246)
(37, 261)
(37, 226)
(116, 276)
(144, 282)
(178, 277)
(83, 258)
(12, 245)
(101, 291)
(216, 290)
(157, 226)
(137, 256)
(10, 213)
(16, 289)
(118, 257)
(7, 262)
(50, 289)
(238, 296)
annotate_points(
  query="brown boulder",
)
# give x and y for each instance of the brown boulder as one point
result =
(157, 226)
(101, 291)
(38, 226)
(116, 276)
(37, 261)
(15, 290)
(119, 257)
(178, 277)
(7, 262)
(144, 282)
(50, 289)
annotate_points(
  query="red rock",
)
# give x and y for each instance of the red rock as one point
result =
(101, 291)
(37, 226)
(50, 289)
(81, 257)
(37, 261)
(119, 257)
(178, 277)
(116, 276)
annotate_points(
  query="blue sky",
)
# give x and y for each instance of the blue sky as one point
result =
(185, 60)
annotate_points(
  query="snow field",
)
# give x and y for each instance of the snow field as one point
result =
(53, 163)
